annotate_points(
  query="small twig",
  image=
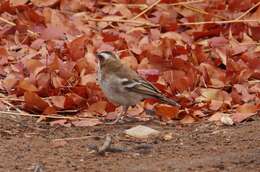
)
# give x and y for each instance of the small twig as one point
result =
(145, 5)
(217, 22)
(248, 11)
(122, 21)
(13, 24)
(249, 43)
(45, 116)
(202, 11)
(147, 9)
(73, 138)
(11, 105)
(11, 99)
(108, 140)
(6, 21)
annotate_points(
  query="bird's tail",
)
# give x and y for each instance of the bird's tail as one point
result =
(169, 101)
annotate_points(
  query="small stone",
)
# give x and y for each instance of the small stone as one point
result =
(227, 120)
(141, 132)
(168, 137)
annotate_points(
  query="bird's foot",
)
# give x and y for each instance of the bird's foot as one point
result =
(122, 119)
(118, 119)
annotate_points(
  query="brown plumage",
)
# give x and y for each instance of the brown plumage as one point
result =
(124, 86)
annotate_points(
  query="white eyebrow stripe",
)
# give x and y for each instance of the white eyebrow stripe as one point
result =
(105, 55)
(129, 83)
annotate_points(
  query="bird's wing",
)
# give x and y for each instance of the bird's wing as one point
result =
(146, 89)
(141, 86)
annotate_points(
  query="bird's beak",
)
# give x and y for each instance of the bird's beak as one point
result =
(99, 57)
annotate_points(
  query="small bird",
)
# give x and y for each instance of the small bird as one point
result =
(122, 85)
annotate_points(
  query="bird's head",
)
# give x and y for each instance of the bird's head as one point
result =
(107, 57)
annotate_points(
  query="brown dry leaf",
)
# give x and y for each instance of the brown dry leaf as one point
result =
(9, 82)
(25, 85)
(49, 111)
(218, 41)
(58, 101)
(18, 2)
(245, 111)
(76, 48)
(245, 96)
(33, 101)
(215, 105)
(33, 64)
(53, 32)
(187, 120)
(217, 116)
(77, 5)
(166, 112)
(57, 81)
(44, 3)
(89, 78)
(98, 107)
(87, 122)
(207, 94)
(61, 122)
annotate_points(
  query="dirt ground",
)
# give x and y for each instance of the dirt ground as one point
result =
(28, 146)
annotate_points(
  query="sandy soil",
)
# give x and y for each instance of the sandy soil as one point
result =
(27, 146)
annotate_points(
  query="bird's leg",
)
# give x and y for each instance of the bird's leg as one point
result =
(120, 115)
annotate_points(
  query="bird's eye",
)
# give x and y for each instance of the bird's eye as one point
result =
(100, 57)
(104, 55)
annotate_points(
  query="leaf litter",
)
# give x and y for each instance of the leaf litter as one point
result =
(199, 53)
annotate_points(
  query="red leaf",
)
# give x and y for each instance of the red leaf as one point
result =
(77, 48)
(166, 112)
(33, 101)
(25, 85)
(151, 75)
(49, 110)
(110, 35)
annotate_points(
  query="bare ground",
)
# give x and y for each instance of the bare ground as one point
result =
(27, 146)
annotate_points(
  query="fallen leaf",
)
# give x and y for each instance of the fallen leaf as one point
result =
(77, 48)
(187, 120)
(33, 101)
(58, 101)
(27, 86)
(217, 116)
(18, 2)
(61, 122)
(244, 111)
(98, 107)
(166, 112)
(44, 3)
(86, 122)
